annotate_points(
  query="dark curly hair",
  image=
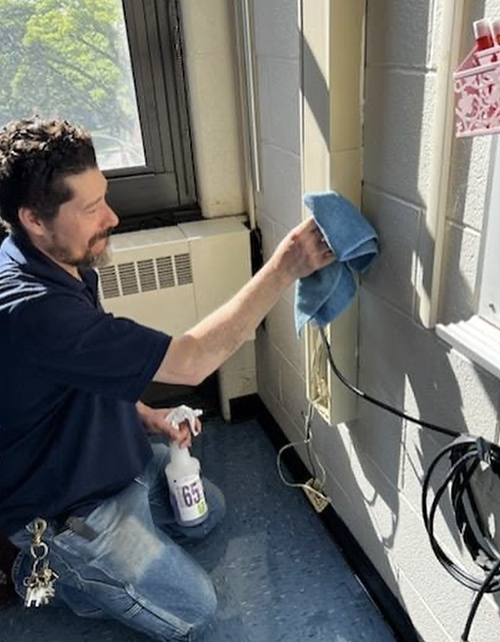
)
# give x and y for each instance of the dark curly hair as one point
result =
(35, 156)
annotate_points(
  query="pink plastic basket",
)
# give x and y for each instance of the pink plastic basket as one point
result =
(477, 91)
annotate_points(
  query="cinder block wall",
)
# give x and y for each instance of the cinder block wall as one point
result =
(399, 359)
(280, 357)
(375, 465)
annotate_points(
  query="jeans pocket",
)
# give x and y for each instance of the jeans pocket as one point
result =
(67, 542)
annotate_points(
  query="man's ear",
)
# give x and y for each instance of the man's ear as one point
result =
(31, 222)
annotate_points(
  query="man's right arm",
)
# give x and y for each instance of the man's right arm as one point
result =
(197, 353)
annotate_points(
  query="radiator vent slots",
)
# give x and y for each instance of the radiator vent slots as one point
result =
(109, 282)
(128, 278)
(183, 269)
(145, 275)
(165, 269)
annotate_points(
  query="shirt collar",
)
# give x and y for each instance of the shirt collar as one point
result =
(29, 258)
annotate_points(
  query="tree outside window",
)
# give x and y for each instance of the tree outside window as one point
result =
(70, 59)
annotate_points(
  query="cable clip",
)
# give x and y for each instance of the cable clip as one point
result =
(484, 453)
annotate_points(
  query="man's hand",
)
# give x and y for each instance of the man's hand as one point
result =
(302, 252)
(154, 420)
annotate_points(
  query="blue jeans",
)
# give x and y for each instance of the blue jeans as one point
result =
(127, 563)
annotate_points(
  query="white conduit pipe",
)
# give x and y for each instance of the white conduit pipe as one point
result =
(444, 132)
(249, 99)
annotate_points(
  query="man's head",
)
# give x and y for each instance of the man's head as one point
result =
(52, 192)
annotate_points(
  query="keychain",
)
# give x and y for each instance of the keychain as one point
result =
(40, 584)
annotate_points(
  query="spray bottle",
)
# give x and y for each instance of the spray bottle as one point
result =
(483, 34)
(183, 474)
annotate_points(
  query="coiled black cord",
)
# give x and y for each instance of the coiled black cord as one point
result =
(466, 454)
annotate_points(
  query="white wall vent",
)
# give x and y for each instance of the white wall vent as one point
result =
(145, 275)
(170, 278)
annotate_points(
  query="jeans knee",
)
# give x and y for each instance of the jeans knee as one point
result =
(206, 607)
(208, 604)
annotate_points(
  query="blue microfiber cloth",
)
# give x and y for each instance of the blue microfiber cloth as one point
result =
(323, 295)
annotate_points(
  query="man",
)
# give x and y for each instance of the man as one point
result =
(73, 444)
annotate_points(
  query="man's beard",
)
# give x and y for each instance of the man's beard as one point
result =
(89, 259)
(97, 260)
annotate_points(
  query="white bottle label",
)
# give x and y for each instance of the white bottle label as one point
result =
(190, 498)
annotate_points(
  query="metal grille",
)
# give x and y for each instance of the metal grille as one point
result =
(145, 275)
(165, 272)
(128, 278)
(183, 269)
(109, 282)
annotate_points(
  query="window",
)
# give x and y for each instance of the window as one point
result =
(114, 66)
(479, 337)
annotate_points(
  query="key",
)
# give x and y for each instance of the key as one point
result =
(39, 594)
(47, 575)
(40, 586)
(32, 593)
(47, 584)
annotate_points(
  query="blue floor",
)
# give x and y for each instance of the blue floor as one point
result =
(278, 576)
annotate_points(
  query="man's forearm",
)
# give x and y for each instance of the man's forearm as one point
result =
(200, 351)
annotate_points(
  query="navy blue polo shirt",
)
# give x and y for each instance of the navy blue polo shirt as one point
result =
(70, 376)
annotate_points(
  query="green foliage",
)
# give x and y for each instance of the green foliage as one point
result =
(66, 58)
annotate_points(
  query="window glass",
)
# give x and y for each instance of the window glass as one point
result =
(71, 59)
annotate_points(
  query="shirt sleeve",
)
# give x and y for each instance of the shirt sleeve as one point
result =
(75, 344)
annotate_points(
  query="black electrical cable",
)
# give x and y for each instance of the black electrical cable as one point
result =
(377, 402)
(467, 454)
(484, 589)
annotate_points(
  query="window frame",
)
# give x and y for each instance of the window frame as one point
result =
(478, 337)
(489, 285)
(166, 184)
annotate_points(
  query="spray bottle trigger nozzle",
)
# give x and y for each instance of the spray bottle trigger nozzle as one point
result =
(184, 413)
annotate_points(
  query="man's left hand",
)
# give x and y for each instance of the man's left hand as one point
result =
(154, 420)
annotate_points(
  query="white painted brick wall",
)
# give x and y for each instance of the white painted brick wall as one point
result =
(398, 113)
(398, 223)
(400, 360)
(375, 466)
(280, 357)
(404, 27)
(276, 29)
(213, 96)
(280, 197)
(462, 254)
(279, 107)
(280, 326)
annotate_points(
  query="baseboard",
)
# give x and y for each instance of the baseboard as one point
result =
(359, 562)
